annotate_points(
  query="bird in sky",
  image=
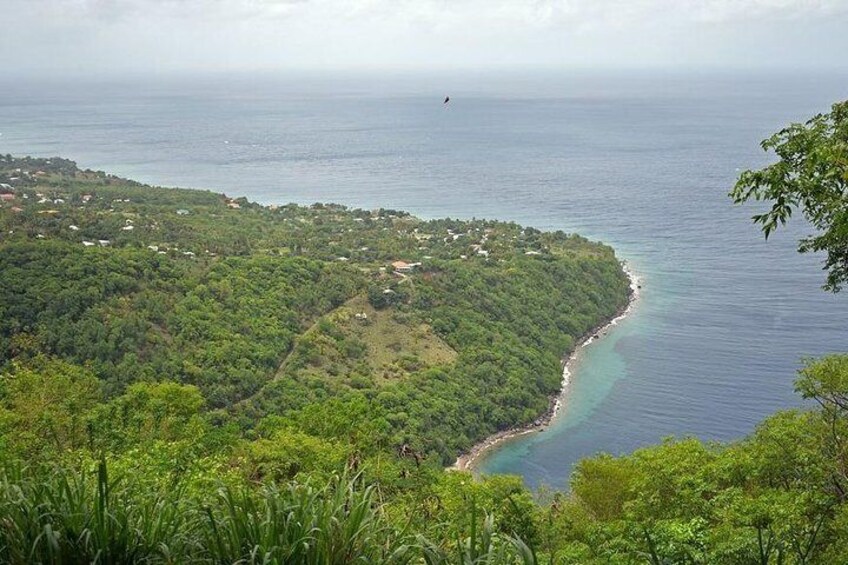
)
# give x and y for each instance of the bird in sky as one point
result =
(447, 99)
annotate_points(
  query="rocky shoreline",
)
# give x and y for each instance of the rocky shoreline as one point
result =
(467, 461)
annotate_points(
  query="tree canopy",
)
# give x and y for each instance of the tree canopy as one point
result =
(810, 176)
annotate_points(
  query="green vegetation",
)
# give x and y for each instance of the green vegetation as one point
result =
(811, 175)
(232, 383)
(276, 314)
(775, 497)
(199, 344)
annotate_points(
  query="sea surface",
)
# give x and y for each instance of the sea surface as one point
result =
(640, 160)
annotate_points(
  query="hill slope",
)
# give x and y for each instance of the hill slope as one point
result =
(462, 323)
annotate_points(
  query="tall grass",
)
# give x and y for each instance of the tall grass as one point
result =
(302, 524)
(87, 519)
(481, 547)
(61, 518)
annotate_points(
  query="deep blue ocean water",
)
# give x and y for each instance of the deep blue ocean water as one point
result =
(642, 161)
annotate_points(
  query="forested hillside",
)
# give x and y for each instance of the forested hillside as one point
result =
(189, 378)
(268, 313)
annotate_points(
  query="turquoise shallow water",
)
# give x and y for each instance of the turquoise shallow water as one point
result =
(642, 161)
(593, 373)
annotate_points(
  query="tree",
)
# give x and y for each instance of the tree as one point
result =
(826, 381)
(49, 403)
(150, 412)
(811, 176)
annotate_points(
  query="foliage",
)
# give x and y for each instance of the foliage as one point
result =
(45, 405)
(57, 517)
(777, 496)
(811, 175)
(255, 307)
(212, 355)
(62, 518)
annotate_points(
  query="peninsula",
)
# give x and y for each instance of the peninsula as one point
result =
(431, 334)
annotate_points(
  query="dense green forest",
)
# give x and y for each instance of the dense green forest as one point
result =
(188, 377)
(273, 314)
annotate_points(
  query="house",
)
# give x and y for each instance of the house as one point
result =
(153, 247)
(128, 228)
(88, 243)
(17, 209)
(86, 197)
(7, 197)
(404, 267)
(104, 242)
(73, 228)
(5, 186)
(182, 212)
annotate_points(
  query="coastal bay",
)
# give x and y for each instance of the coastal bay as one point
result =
(424, 283)
(641, 161)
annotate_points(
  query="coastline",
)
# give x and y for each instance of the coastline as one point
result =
(468, 460)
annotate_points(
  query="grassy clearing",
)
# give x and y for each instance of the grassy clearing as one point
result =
(360, 343)
(392, 340)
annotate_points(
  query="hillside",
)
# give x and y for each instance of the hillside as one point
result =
(269, 311)
(191, 378)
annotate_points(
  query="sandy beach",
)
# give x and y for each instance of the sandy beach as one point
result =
(467, 461)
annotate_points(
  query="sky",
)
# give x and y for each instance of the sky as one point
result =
(130, 36)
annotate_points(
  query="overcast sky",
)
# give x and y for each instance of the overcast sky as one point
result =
(173, 35)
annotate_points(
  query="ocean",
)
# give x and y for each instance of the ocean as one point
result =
(640, 160)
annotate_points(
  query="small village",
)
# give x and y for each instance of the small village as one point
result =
(99, 211)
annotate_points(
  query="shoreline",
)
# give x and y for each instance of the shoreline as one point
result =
(468, 460)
